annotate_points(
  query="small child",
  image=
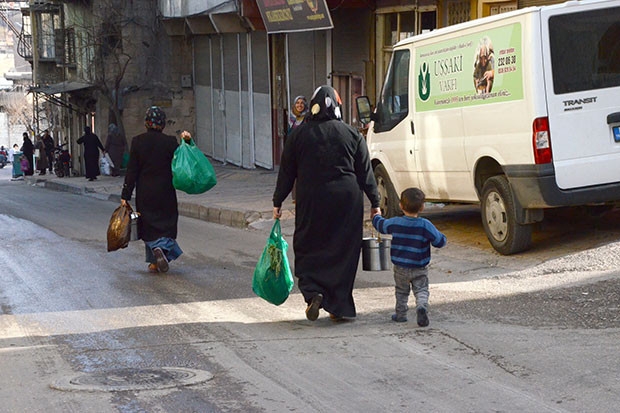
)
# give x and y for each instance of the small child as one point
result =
(24, 164)
(412, 237)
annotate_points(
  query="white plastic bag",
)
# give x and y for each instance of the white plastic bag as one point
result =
(109, 160)
(104, 165)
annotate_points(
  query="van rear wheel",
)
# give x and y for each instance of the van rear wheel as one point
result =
(389, 202)
(499, 218)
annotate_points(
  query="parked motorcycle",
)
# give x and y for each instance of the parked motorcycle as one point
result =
(62, 161)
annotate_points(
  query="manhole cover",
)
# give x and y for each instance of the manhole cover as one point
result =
(134, 379)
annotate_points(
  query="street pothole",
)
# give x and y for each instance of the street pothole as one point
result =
(129, 379)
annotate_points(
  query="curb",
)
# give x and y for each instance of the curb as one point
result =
(218, 215)
(223, 216)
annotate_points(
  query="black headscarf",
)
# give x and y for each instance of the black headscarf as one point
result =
(325, 104)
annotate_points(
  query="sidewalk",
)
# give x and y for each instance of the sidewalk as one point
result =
(241, 197)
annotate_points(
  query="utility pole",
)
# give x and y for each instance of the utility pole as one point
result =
(35, 63)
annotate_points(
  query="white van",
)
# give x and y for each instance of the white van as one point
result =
(518, 112)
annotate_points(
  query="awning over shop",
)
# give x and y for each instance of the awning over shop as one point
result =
(171, 9)
(62, 87)
(211, 18)
(53, 93)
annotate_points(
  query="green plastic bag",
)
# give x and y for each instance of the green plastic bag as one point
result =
(125, 160)
(273, 280)
(191, 170)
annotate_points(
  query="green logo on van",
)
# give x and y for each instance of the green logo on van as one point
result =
(424, 82)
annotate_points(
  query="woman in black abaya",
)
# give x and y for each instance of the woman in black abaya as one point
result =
(329, 159)
(28, 150)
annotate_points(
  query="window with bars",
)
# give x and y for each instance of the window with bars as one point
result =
(70, 58)
(458, 12)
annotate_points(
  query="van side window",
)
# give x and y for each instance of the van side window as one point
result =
(585, 50)
(394, 104)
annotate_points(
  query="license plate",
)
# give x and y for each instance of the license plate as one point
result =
(616, 130)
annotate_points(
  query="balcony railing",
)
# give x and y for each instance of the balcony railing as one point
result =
(24, 46)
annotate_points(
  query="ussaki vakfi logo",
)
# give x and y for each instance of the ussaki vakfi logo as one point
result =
(424, 82)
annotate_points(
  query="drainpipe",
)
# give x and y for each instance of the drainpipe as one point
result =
(288, 77)
(251, 101)
(240, 87)
(223, 97)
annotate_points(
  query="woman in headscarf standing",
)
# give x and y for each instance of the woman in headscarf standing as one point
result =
(150, 171)
(330, 161)
(115, 145)
(296, 118)
(298, 113)
(28, 150)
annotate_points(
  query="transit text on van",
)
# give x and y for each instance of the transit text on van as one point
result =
(583, 101)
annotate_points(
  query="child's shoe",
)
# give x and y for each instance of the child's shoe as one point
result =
(422, 317)
(398, 319)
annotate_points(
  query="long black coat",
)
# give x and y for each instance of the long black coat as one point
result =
(150, 171)
(92, 144)
(330, 161)
(28, 150)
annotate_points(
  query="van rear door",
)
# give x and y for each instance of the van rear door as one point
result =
(582, 82)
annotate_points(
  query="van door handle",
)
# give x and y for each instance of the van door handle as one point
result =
(413, 128)
(613, 118)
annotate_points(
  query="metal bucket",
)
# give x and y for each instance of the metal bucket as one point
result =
(384, 254)
(376, 254)
(133, 233)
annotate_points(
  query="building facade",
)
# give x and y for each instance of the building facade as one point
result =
(215, 66)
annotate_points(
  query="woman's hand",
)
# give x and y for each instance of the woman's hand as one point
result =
(186, 136)
(124, 202)
(277, 212)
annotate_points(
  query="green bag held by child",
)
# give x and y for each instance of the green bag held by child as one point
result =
(191, 170)
(273, 280)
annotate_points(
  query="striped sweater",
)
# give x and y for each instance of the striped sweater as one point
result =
(411, 239)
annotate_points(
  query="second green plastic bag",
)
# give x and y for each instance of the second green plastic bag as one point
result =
(273, 280)
(191, 170)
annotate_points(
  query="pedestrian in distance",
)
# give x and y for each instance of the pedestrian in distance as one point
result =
(12, 152)
(24, 164)
(410, 252)
(115, 145)
(27, 150)
(49, 150)
(42, 158)
(330, 161)
(296, 118)
(92, 145)
(298, 113)
(149, 171)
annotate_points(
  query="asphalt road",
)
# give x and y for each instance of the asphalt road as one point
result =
(533, 332)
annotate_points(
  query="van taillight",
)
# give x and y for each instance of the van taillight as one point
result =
(541, 139)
